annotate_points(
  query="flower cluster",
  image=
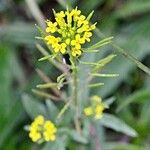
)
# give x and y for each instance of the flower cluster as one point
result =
(42, 129)
(69, 32)
(96, 108)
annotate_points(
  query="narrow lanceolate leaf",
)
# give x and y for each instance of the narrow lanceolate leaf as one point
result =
(32, 106)
(104, 75)
(101, 43)
(46, 85)
(95, 85)
(122, 146)
(103, 62)
(77, 137)
(118, 125)
(47, 57)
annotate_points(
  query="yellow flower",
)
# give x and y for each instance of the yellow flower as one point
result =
(96, 99)
(39, 120)
(77, 42)
(88, 111)
(52, 27)
(76, 52)
(87, 36)
(69, 32)
(41, 129)
(63, 48)
(75, 13)
(61, 14)
(81, 20)
(99, 111)
(52, 40)
(96, 109)
(56, 47)
(35, 136)
(50, 131)
(85, 27)
(69, 17)
(60, 47)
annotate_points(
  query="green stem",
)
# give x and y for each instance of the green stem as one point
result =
(75, 95)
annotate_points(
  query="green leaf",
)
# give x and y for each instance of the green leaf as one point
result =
(122, 146)
(57, 145)
(23, 32)
(133, 7)
(139, 96)
(52, 110)
(77, 137)
(33, 107)
(144, 119)
(118, 125)
(10, 106)
(109, 101)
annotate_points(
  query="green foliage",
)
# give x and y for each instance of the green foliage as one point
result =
(10, 106)
(116, 124)
(33, 107)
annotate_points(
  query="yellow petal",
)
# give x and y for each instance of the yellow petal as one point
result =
(62, 50)
(74, 53)
(77, 36)
(78, 46)
(73, 42)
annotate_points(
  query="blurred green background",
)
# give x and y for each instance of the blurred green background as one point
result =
(127, 20)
